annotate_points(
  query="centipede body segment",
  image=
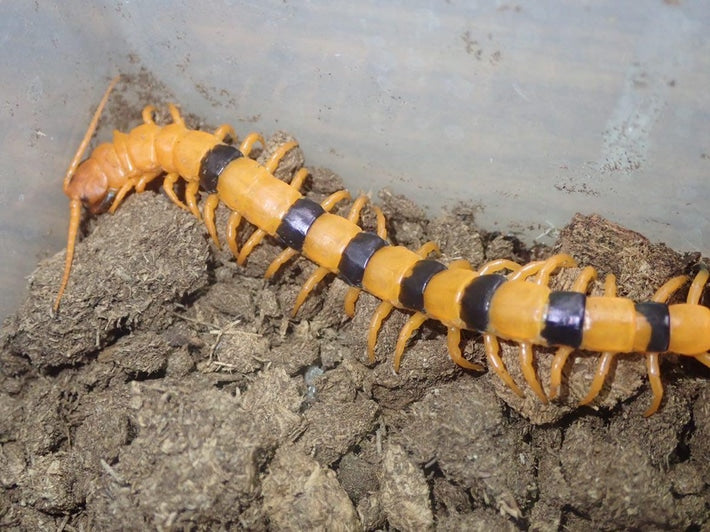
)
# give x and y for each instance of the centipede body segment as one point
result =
(502, 300)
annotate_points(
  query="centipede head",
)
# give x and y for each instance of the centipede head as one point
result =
(89, 185)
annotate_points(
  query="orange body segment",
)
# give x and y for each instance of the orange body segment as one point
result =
(517, 311)
(165, 140)
(328, 237)
(247, 188)
(690, 329)
(188, 152)
(140, 146)
(385, 271)
(609, 325)
(443, 294)
(104, 162)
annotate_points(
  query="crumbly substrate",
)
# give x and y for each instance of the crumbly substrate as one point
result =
(174, 390)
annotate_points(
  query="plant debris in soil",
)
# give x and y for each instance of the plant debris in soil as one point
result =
(173, 389)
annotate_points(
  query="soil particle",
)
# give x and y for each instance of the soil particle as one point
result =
(616, 480)
(405, 493)
(325, 438)
(300, 494)
(483, 450)
(174, 390)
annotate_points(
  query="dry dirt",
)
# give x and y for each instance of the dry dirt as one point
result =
(173, 390)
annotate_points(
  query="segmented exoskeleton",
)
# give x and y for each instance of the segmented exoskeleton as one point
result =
(516, 306)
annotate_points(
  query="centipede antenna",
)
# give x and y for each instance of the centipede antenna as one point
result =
(74, 218)
(89, 133)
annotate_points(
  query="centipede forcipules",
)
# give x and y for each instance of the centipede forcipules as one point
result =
(516, 306)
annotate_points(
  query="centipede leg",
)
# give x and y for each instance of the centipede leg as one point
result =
(599, 377)
(254, 240)
(526, 271)
(654, 377)
(191, 192)
(147, 114)
(335, 198)
(697, 286)
(121, 194)
(413, 323)
(224, 131)
(498, 265)
(552, 264)
(381, 223)
(703, 358)
(543, 278)
(208, 212)
(145, 180)
(137, 184)
(383, 310)
(664, 293)
(300, 177)
(558, 364)
(581, 284)
(232, 226)
(169, 188)
(453, 342)
(278, 155)
(351, 297)
(175, 114)
(428, 248)
(282, 258)
(496, 363)
(315, 278)
(490, 341)
(248, 143)
(607, 357)
(192, 188)
(526, 363)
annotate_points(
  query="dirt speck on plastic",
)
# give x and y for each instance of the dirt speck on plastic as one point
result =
(174, 390)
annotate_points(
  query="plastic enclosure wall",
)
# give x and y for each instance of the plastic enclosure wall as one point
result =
(533, 110)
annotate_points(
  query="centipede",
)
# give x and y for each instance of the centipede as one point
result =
(500, 300)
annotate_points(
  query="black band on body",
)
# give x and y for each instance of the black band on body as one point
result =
(476, 301)
(213, 164)
(564, 321)
(411, 292)
(659, 318)
(356, 256)
(297, 221)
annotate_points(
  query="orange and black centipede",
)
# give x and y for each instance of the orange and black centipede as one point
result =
(500, 300)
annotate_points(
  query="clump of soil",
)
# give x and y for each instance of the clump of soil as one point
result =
(174, 390)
